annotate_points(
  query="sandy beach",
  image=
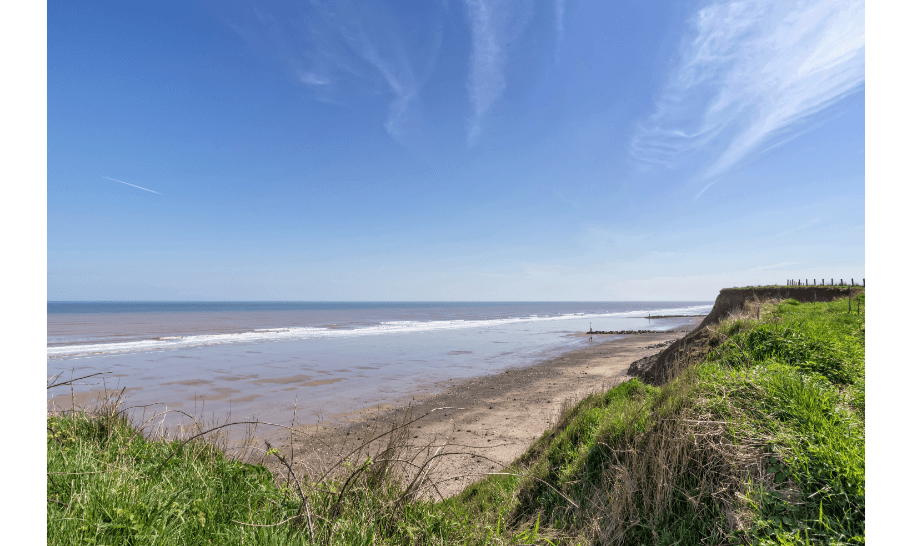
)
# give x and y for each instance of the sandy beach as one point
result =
(495, 417)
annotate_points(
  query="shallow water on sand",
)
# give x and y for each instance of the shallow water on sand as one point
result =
(258, 360)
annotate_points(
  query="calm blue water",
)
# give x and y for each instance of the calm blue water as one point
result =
(255, 358)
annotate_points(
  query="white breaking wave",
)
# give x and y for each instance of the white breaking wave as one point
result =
(290, 334)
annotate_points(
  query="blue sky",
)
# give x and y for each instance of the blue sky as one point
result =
(512, 150)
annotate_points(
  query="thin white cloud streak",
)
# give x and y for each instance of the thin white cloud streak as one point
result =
(399, 77)
(559, 9)
(494, 24)
(376, 39)
(134, 185)
(344, 49)
(752, 73)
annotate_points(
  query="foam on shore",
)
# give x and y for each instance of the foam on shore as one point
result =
(288, 334)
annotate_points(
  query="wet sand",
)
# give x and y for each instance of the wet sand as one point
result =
(496, 416)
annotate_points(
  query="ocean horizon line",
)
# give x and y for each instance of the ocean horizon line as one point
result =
(368, 301)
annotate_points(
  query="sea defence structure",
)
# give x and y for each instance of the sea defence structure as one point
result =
(658, 368)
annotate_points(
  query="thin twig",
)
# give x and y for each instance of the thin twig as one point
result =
(300, 491)
(426, 468)
(333, 467)
(499, 473)
(463, 445)
(140, 427)
(54, 435)
(49, 499)
(270, 525)
(359, 470)
(188, 440)
(52, 385)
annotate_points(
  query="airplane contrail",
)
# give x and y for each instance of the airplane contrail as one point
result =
(127, 183)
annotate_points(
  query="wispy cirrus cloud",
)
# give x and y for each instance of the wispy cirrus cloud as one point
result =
(559, 10)
(494, 24)
(341, 49)
(134, 185)
(750, 73)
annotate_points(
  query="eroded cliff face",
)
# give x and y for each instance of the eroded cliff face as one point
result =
(656, 369)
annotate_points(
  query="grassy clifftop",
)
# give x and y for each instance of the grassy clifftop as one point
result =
(733, 302)
(758, 438)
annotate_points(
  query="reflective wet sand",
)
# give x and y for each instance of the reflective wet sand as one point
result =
(323, 378)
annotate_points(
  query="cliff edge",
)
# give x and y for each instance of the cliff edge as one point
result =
(657, 369)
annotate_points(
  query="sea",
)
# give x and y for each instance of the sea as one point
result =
(316, 360)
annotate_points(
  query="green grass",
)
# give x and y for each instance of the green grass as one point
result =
(110, 484)
(800, 382)
(856, 286)
(571, 454)
(759, 440)
(107, 489)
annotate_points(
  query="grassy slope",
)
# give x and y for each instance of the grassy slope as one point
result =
(759, 440)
